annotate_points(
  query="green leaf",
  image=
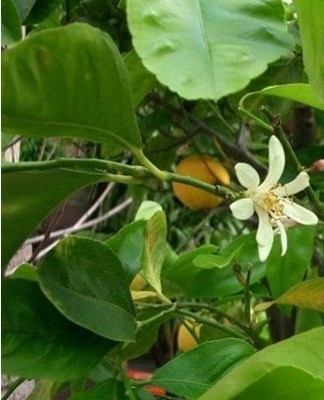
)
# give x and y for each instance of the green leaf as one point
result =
(308, 294)
(41, 10)
(38, 342)
(29, 196)
(85, 281)
(285, 383)
(128, 244)
(147, 209)
(83, 92)
(221, 281)
(310, 19)
(208, 261)
(26, 271)
(285, 272)
(10, 23)
(24, 7)
(208, 49)
(300, 92)
(195, 371)
(44, 390)
(154, 250)
(304, 351)
(141, 80)
(115, 389)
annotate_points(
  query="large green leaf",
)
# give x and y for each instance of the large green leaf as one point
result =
(38, 342)
(310, 19)
(304, 351)
(84, 279)
(285, 383)
(196, 370)
(208, 49)
(10, 23)
(69, 81)
(284, 272)
(29, 196)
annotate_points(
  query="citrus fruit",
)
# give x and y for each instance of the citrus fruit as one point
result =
(185, 340)
(206, 169)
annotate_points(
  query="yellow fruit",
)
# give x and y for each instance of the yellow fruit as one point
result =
(138, 283)
(206, 169)
(185, 340)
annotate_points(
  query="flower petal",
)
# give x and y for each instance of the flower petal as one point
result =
(276, 164)
(283, 237)
(297, 185)
(242, 209)
(247, 176)
(264, 235)
(299, 213)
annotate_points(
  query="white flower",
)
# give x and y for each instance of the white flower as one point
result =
(271, 201)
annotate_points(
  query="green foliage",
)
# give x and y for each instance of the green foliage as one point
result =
(260, 370)
(99, 107)
(193, 372)
(38, 342)
(203, 39)
(86, 282)
(121, 81)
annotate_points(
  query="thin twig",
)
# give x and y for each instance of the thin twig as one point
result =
(88, 224)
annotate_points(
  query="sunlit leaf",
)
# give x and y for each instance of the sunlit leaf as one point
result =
(208, 49)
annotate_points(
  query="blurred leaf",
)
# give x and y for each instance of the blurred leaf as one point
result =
(207, 261)
(41, 10)
(26, 271)
(308, 319)
(29, 196)
(24, 7)
(85, 281)
(195, 371)
(141, 80)
(128, 244)
(44, 390)
(300, 92)
(310, 20)
(10, 23)
(43, 94)
(285, 383)
(226, 43)
(115, 389)
(38, 342)
(308, 294)
(285, 272)
(147, 209)
(304, 351)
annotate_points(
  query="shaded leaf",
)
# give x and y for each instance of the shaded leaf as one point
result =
(196, 370)
(208, 261)
(43, 94)
(310, 21)
(29, 196)
(215, 48)
(10, 23)
(24, 7)
(128, 244)
(115, 389)
(304, 351)
(38, 342)
(84, 279)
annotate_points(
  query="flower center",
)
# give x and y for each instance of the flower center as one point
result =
(271, 203)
